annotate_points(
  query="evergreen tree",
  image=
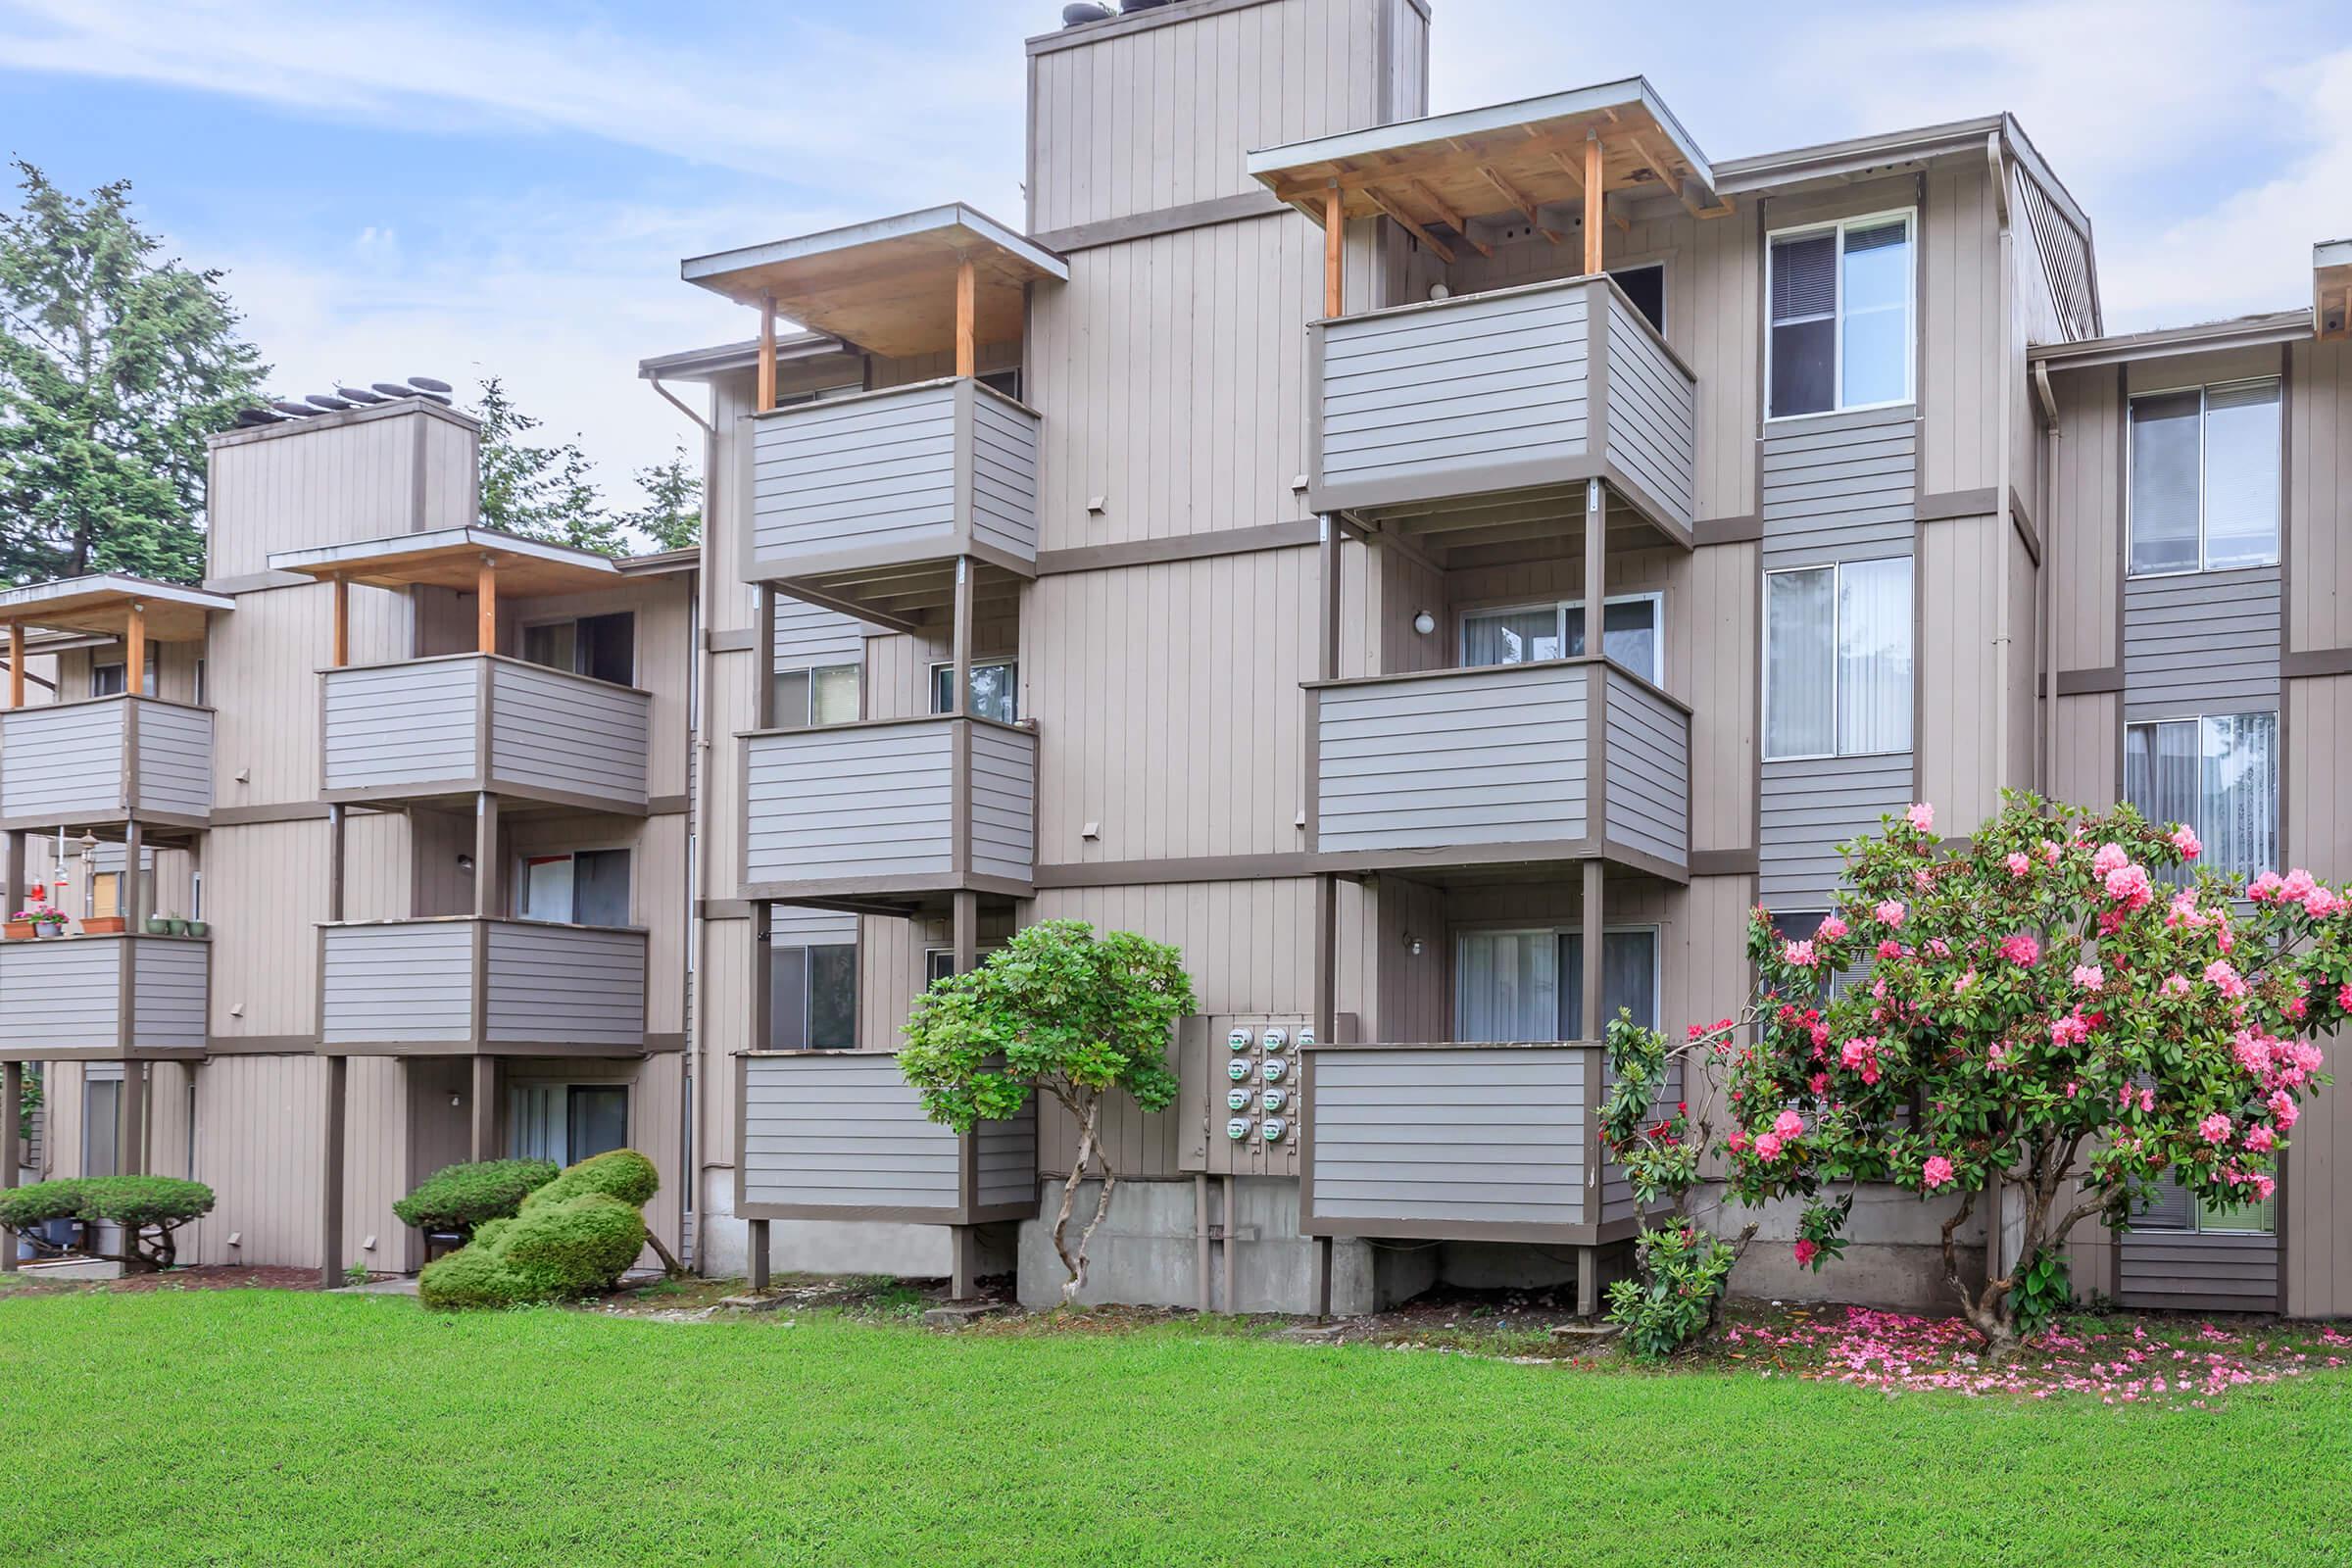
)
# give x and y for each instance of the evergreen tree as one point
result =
(541, 492)
(672, 515)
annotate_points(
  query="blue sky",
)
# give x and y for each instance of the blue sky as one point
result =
(484, 189)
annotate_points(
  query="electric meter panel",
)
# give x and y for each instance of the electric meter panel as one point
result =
(1251, 1120)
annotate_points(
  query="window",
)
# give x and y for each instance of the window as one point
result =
(995, 690)
(105, 680)
(101, 1116)
(1800, 925)
(1841, 334)
(2204, 480)
(2169, 1206)
(1632, 630)
(578, 886)
(566, 1122)
(601, 647)
(1008, 382)
(1529, 985)
(1646, 287)
(825, 695)
(102, 895)
(813, 998)
(2220, 775)
(1838, 659)
(940, 962)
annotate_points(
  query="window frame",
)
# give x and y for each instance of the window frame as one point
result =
(1560, 606)
(151, 678)
(1839, 227)
(523, 630)
(2278, 719)
(519, 880)
(856, 665)
(932, 956)
(628, 1094)
(856, 992)
(947, 667)
(1553, 934)
(1836, 569)
(2204, 391)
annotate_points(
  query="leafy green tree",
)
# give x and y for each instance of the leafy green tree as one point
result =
(1061, 1012)
(115, 363)
(672, 513)
(539, 491)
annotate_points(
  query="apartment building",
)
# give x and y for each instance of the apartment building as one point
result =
(1214, 555)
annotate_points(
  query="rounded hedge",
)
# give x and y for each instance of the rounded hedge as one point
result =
(573, 1237)
(460, 1198)
(23, 1208)
(623, 1175)
(130, 1201)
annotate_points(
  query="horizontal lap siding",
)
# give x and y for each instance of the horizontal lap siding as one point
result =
(557, 983)
(167, 1000)
(855, 473)
(2196, 1272)
(1461, 389)
(2206, 642)
(1003, 803)
(1653, 410)
(810, 635)
(1004, 450)
(1483, 756)
(853, 800)
(175, 760)
(1647, 805)
(63, 762)
(1006, 1159)
(1812, 806)
(1450, 1137)
(394, 724)
(399, 983)
(842, 1131)
(67, 992)
(1841, 487)
(558, 731)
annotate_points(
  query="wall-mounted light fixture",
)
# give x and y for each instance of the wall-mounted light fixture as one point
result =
(465, 864)
(1412, 943)
(1424, 622)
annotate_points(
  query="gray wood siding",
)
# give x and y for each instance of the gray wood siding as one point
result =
(1449, 1136)
(1004, 795)
(63, 762)
(842, 1131)
(389, 725)
(1646, 770)
(1001, 443)
(1840, 486)
(564, 983)
(405, 981)
(1652, 412)
(1457, 397)
(65, 990)
(810, 635)
(176, 759)
(1005, 1160)
(553, 730)
(1809, 807)
(1470, 757)
(2203, 643)
(853, 799)
(168, 995)
(2190, 1271)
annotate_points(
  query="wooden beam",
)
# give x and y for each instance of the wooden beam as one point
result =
(485, 605)
(1450, 217)
(1385, 204)
(1518, 199)
(1595, 177)
(766, 396)
(967, 311)
(1335, 254)
(342, 651)
(134, 650)
(1664, 169)
(16, 668)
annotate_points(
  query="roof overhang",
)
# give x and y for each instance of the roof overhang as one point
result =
(888, 286)
(451, 557)
(2205, 337)
(101, 605)
(727, 359)
(1443, 169)
(2331, 289)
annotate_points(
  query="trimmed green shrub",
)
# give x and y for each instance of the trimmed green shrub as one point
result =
(460, 1198)
(574, 1236)
(139, 1204)
(23, 1207)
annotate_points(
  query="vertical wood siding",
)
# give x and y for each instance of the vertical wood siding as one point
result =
(259, 1124)
(395, 724)
(2316, 728)
(176, 759)
(1964, 390)
(266, 740)
(337, 481)
(2201, 643)
(2319, 493)
(559, 732)
(1718, 618)
(864, 799)
(1648, 771)
(2081, 536)
(562, 983)
(63, 762)
(1963, 638)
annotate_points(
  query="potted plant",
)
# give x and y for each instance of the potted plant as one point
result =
(101, 925)
(37, 920)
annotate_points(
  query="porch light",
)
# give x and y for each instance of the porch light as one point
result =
(1424, 622)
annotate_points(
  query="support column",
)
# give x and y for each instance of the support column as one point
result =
(1596, 563)
(135, 878)
(963, 1269)
(765, 398)
(1592, 921)
(764, 636)
(134, 649)
(482, 1110)
(330, 1176)
(1594, 175)
(336, 839)
(342, 647)
(485, 607)
(130, 1121)
(11, 1153)
(15, 891)
(486, 880)
(1588, 1282)
(967, 311)
(960, 701)
(967, 931)
(16, 699)
(1335, 252)
(758, 1263)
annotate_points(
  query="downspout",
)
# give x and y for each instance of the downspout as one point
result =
(699, 874)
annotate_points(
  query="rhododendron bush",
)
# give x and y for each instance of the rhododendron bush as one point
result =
(2066, 1005)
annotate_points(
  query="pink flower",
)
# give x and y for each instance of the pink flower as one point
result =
(1968, 978)
(2147, 1101)
(1738, 1141)
(1997, 1057)
(2089, 976)
(2018, 862)
(2111, 858)
(2298, 886)
(1940, 948)
(1891, 949)
(2265, 887)
(2215, 1129)
(2070, 1030)
(1923, 879)
(1768, 1148)
(2175, 985)
(1831, 929)
(2264, 1187)
(2184, 839)
(2283, 1109)
(2260, 1139)
(1889, 914)
(2072, 1088)
(1805, 1252)
(2128, 885)
(1819, 1083)
(2050, 852)
(1798, 954)
(1937, 1172)
(2320, 903)
(2224, 979)
(1788, 1124)
(2020, 949)
(1921, 815)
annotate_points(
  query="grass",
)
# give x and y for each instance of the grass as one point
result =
(250, 1426)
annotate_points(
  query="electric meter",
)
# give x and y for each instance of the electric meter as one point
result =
(1237, 1099)
(1238, 1069)
(1277, 1037)
(1306, 1040)
(1275, 1067)
(1273, 1127)
(1237, 1127)
(1275, 1098)
(1237, 1040)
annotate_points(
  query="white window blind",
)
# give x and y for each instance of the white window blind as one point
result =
(1841, 298)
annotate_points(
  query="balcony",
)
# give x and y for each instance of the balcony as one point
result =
(839, 1135)
(1513, 395)
(105, 998)
(467, 986)
(108, 760)
(901, 811)
(425, 728)
(1565, 760)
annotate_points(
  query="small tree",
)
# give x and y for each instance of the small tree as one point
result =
(460, 1198)
(672, 514)
(147, 1210)
(541, 492)
(1061, 1012)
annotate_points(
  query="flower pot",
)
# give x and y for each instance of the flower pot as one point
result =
(177, 928)
(46, 930)
(21, 930)
(102, 925)
(198, 928)
(158, 927)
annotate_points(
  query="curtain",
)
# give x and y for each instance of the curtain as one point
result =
(1800, 661)
(1506, 986)
(2241, 475)
(2238, 799)
(1874, 657)
(1628, 633)
(2161, 777)
(600, 887)
(536, 1123)
(1511, 636)
(1629, 979)
(1876, 352)
(2164, 499)
(596, 1120)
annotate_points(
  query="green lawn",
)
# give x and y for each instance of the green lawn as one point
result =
(265, 1427)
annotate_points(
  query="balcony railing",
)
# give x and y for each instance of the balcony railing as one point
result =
(839, 1135)
(461, 985)
(458, 724)
(106, 760)
(1513, 390)
(916, 473)
(1565, 760)
(899, 808)
(105, 998)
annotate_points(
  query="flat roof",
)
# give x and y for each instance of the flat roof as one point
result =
(101, 604)
(447, 558)
(889, 285)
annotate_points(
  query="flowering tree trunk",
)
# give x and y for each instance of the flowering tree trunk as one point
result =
(1087, 1106)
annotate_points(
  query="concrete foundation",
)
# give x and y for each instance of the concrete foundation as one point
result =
(1893, 1256)
(840, 1246)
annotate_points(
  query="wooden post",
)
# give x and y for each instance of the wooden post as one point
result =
(758, 1255)
(1592, 215)
(485, 605)
(14, 893)
(342, 621)
(331, 1181)
(486, 857)
(132, 903)
(1597, 563)
(130, 1121)
(959, 701)
(16, 696)
(766, 398)
(967, 311)
(963, 1268)
(334, 861)
(1335, 254)
(134, 649)
(481, 1115)
(967, 931)
(12, 1112)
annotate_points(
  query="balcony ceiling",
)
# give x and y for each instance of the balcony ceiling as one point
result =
(449, 558)
(102, 604)
(888, 286)
(2331, 289)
